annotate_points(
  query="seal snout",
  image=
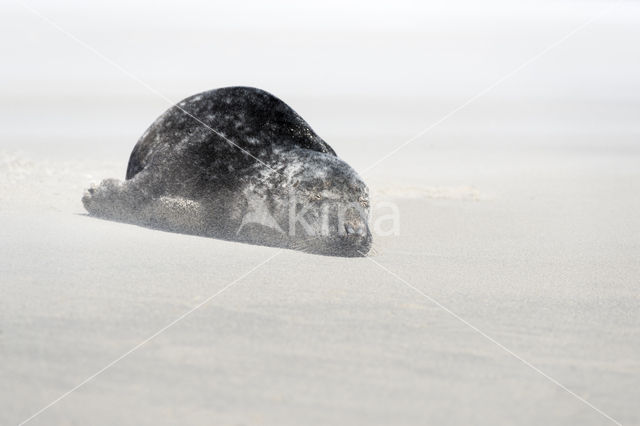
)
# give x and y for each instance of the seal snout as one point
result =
(355, 229)
(357, 239)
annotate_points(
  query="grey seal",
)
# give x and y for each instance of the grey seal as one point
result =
(239, 164)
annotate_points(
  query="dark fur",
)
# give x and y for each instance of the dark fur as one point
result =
(202, 163)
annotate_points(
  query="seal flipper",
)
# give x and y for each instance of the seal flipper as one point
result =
(127, 201)
(116, 200)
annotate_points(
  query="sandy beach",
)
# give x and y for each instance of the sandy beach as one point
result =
(510, 294)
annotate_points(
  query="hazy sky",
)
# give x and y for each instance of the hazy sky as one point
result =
(403, 48)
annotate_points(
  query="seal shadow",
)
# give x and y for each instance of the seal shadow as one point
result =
(247, 241)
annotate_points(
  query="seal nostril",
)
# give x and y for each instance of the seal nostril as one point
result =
(349, 229)
(359, 229)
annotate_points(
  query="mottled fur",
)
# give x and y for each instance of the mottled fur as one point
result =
(222, 156)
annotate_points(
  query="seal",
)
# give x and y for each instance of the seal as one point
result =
(239, 164)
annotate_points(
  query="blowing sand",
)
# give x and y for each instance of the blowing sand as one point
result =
(510, 294)
(537, 248)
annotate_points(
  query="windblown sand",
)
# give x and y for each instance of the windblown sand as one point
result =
(537, 248)
(511, 290)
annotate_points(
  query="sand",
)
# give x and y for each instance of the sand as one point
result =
(510, 294)
(539, 250)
